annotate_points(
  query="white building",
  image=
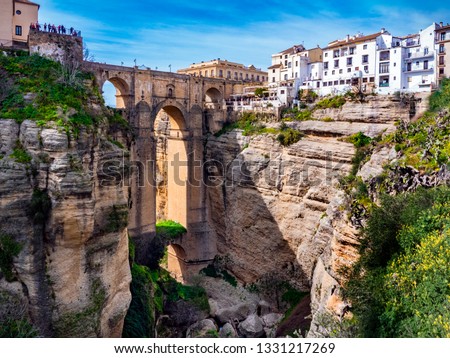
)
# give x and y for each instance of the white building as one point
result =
(292, 69)
(352, 61)
(407, 64)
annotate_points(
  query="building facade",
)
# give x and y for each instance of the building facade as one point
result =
(442, 51)
(16, 16)
(218, 68)
(293, 69)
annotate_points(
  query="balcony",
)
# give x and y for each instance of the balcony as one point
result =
(411, 42)
(420, 54)
(411, 70)
(384, 84)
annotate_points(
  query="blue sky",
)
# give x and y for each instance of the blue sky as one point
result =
(178, 33)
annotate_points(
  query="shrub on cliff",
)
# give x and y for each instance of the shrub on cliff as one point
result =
(399, 276)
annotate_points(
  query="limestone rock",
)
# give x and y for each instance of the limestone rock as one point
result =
(272, 319)
(227, 331)
(73, 273)
(9, 131)
(252, 327)
(53, 140)
(374, 166)
(235, 313)
(203, 329)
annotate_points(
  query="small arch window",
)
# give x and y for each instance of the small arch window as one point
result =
(170, 92)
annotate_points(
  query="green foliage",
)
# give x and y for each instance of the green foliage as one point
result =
(117, 218)
(44, 90)
(259, 92)
(170, 229)
(21, 156)
(289, 136)
(140, 318)
(441, 98)
(17, 329)
(40, 206)
(359, 140)
(331, 102)
(384, 284)
(9, 249)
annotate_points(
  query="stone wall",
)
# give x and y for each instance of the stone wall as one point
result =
(58, 47)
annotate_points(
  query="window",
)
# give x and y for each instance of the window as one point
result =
(285, 56)
(365, 47)
(325, 84)
(336, 53)
(340, 71)
(228, 74)
(330, 83)
(347, 82)
(220, 73)
(366, 69)
(286, 76)
(18, 30)
(372, 79)
(296, 74)
(441, 71)
(349, 61)
(257, 78)
(442, 38)
(441, 60)
(342, 82)
(285, 62)
(273, 71)
(352, 50)
(333, 72)
(289, 64)
(336, 83)
(325, 73)
(318, 84)
(170, 92)
(395, 77)
(296, 63)
(395, 64)
(200, 73)
(273, 79)
(384, 67)
(18, 12)
(425, 51)
(408, 66)
(349, 69)
(336, 63)
(326, 54)
(325, 65)
(441, 48)
(282, 92)
(425, 65)
(365, 58)
(365, 80)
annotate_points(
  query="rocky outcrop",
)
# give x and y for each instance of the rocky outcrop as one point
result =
(64, 202)
(267, 208)
(373, 110)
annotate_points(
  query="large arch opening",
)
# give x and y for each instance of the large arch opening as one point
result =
(213, 98)
(171, 135)
(116, 93)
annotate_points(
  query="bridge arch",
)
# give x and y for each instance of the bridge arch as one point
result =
(122, 91)
(213, 96)
(176, 261)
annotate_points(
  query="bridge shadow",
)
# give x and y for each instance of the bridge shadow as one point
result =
(251, 206)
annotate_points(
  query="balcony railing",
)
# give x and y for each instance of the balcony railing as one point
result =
(420, 54)
(384, 84)
(418, 69)
(412, 43)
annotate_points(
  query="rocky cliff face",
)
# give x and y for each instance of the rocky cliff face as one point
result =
(63, 201)
(278, 210)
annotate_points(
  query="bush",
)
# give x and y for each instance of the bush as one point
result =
(392, 240)
(289, 136)
(331, 102)
(117, 218)
(40, 206)
(8, 250)
(359, 140)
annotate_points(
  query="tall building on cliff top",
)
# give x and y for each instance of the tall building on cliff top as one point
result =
(16, 16)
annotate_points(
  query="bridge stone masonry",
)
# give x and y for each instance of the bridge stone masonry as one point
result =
(194, 106)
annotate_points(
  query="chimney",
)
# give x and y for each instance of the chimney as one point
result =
(347, 38)
(383, 30)
(441, 24)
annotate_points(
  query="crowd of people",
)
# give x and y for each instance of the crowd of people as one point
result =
(60, 29)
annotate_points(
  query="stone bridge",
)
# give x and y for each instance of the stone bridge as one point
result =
(194, 106)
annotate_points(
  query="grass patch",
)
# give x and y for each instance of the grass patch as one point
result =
(330, 102)
(170, 229)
